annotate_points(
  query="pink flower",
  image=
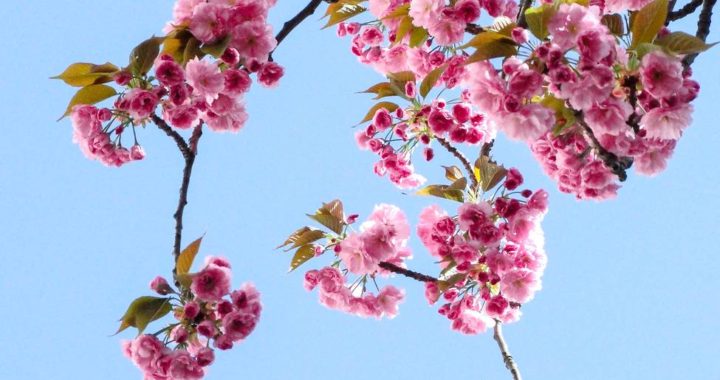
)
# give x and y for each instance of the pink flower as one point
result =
(619, 6)
(142, 103)
(388, 300)
(238, 325)
(353, 255)
(208, 22)
(654, 159)
(432, 292)
(146, 349)
(191, 310)
(667, 123)
(236, 82)
(179, 334)
(473, 215)
(205, 78)
(429, 217)
(226, 114)
(513, 179)
(467, 10)
(184, 367)
(447, 29)
(528, 124)
(205, 356)
(609, 116)
(207, 328)
(270, 74)
(519, 285)
(182, 117)
(660, 74)
(211, 284)
(570, 21)
(254, 40)
(137, 152)
(471, 322)
(247, 299)
(169, 73)
(425, 12)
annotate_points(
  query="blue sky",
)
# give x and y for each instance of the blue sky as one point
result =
(630, 291)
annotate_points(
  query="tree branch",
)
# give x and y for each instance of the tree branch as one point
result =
(188, 151)
(618, 165)
(468, 167)
(406, 272)
(507, 358)
(291, 24)
(182, 145)
(703, 27)
(684, 11)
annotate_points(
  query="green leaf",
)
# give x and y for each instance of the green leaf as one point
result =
(403, 29)
(443, 191)
(192, 50)
(564, 116)
(384, 89)
(614, 23)
(453, 173)
(144, 310)
(418, 36)
(503, 25)
(538, 18)
(448, 283)
(402, 77)
(489, 45)
(302, 255)
(645, 48)
(91, 94)
(217, 48)
(343, 10)
(175, 44)
(83, 74)
(647, 22)
(682, 43)
(143, 56)
(431, 79)
(187, 256)
(389, 106)
(490, 173)
(400, 11)
(331, 216)
(302, 236)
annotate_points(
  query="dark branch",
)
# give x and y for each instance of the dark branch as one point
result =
(486, 148)
(291, 24)
(524, 5)
(182, 145)
(468, 167)
(703, 27)
(406, 272)
(687, 9)
(188, 151)
(618, 165)
(474, 28)
(507, 358)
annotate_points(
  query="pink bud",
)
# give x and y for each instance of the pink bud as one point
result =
(137, 152)
(160, 285)
(191, 310)
(179, 334)
(231, 56)
(206, 328)
(205, 356)
(122, 78)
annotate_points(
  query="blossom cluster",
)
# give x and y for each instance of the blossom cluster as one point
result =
(491, 253)
(588, 105)
(381, 238)
(209, 315)
(191, 90)
(394, 136)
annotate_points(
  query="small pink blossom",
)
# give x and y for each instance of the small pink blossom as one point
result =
(205, 78)
(211, 284)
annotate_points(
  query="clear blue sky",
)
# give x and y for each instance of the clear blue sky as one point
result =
(630, 291)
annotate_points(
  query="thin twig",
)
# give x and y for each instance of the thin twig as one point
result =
(406, 272)
(295, 21)
(618, 165)
(188, 151)
(703, 27)
(507, 358)
(468, 167)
